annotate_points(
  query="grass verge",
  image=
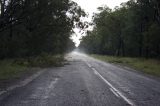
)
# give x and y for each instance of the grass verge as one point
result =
(148, 66)
(14, 68)
(10, 70)
(42, 61)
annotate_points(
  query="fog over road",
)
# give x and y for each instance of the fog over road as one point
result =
(85, 81)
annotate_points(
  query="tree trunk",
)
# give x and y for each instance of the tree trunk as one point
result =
(123, 49)
(2, 4)
(141, 37)
(158, 50)
(158, 11)
(11, 19)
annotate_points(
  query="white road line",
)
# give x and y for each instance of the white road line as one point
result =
(2, 92)
(116, 92)
(88, 65)
(53, 83)
(50, 87)
(44, 92)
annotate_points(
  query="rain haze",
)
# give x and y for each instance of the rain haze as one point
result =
(79, 52)
(90, 7)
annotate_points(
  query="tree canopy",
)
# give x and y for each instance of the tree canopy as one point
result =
(133, 29)
(31, 27)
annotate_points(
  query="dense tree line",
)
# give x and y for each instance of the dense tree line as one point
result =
(133, 29)
(32, 27)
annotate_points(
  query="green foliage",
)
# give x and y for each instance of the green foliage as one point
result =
(70, 45)
(31, 27)
(9, 69)
(15, 68)
(46, 60)
(129, 30)
(32, 32)
(43, 60)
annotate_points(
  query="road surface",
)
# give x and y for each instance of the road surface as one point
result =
(85, 81)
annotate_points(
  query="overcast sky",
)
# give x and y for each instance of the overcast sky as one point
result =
(90, 6)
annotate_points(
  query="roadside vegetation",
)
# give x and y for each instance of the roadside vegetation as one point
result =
(131, 30)
(31, 30)
(148, 66)
(9, 69)
(42, 61)
(14, 68)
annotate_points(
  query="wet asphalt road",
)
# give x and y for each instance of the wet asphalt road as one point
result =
(86, 82)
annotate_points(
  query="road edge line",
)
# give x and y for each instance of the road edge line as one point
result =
(117, 91)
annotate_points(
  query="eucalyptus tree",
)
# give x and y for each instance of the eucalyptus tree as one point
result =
(31, 27)
(129, 30)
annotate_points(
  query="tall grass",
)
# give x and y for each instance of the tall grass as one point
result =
(9, 69)
(149, 66)
(14, 68)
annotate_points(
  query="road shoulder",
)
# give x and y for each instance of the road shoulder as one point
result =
(11, 84)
